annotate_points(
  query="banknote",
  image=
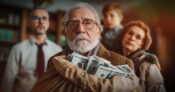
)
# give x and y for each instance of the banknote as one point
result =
(99, 66)
(103, 72)
(78, 60)
(106, 72)
(126, 69)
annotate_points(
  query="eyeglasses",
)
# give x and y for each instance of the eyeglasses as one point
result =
(37, 18)
(87, 24)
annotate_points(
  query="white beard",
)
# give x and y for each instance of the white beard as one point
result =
(82, 46)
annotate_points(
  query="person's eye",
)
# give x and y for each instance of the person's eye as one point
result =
(112, 15)
(87, 22)
(73, 23)
(138, 37)
(130, 33)
(35, 17)
(45, 18)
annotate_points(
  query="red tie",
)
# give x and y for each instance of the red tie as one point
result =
(40, 63)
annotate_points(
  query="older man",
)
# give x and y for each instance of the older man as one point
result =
(83, 34)
(28, 59)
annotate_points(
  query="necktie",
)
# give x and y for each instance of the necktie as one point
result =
(40, 59)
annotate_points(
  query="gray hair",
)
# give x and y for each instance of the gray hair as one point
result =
(82, 5)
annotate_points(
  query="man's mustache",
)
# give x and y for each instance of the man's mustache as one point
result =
(40, 26)
(82, 36)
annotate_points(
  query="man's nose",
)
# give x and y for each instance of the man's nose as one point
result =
(41, 20)
(80, 28)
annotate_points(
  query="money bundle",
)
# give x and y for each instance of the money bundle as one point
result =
(99, 67)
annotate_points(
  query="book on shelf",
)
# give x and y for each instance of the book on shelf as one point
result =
(52, 26)
(8, 35)
(11, 19)
(2, 20)
(15, 36)
(4, 53)
(16, 19)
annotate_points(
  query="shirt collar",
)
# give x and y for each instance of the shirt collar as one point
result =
(95, 50)
(33, 41)
(118, 28)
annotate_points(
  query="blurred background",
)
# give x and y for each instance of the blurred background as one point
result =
(158, 14)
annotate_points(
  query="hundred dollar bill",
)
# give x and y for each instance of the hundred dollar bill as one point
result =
(78, 60)
(99, 66)
(106, 72)
(126, 69)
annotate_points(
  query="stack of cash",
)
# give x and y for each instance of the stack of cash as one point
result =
(100, 67)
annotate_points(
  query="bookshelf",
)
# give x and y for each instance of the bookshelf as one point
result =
(10, 32)
(10, 29)
(55, 32)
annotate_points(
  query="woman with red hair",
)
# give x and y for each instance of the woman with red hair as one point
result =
(135, 40)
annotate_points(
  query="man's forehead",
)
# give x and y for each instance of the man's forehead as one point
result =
(81, 13)
(41, 12)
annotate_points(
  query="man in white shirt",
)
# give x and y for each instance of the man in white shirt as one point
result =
(28, 59)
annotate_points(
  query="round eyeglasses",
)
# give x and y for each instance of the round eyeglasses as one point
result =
(37, 18)
(88, 24)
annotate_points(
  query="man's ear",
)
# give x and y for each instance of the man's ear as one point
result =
(100, 29)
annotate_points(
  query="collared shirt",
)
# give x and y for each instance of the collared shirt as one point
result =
(109, 37)
(20, 73)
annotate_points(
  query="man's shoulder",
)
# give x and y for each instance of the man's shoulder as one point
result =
(54, 45)
(115, 54)
(21, 44)
(120, 59)
(19, 47)
(53, 57)
(114, 57)
(110, 54)
(57, 54)
(118, 56)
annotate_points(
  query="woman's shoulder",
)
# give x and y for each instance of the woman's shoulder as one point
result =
(152, 58)
(144, 56)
